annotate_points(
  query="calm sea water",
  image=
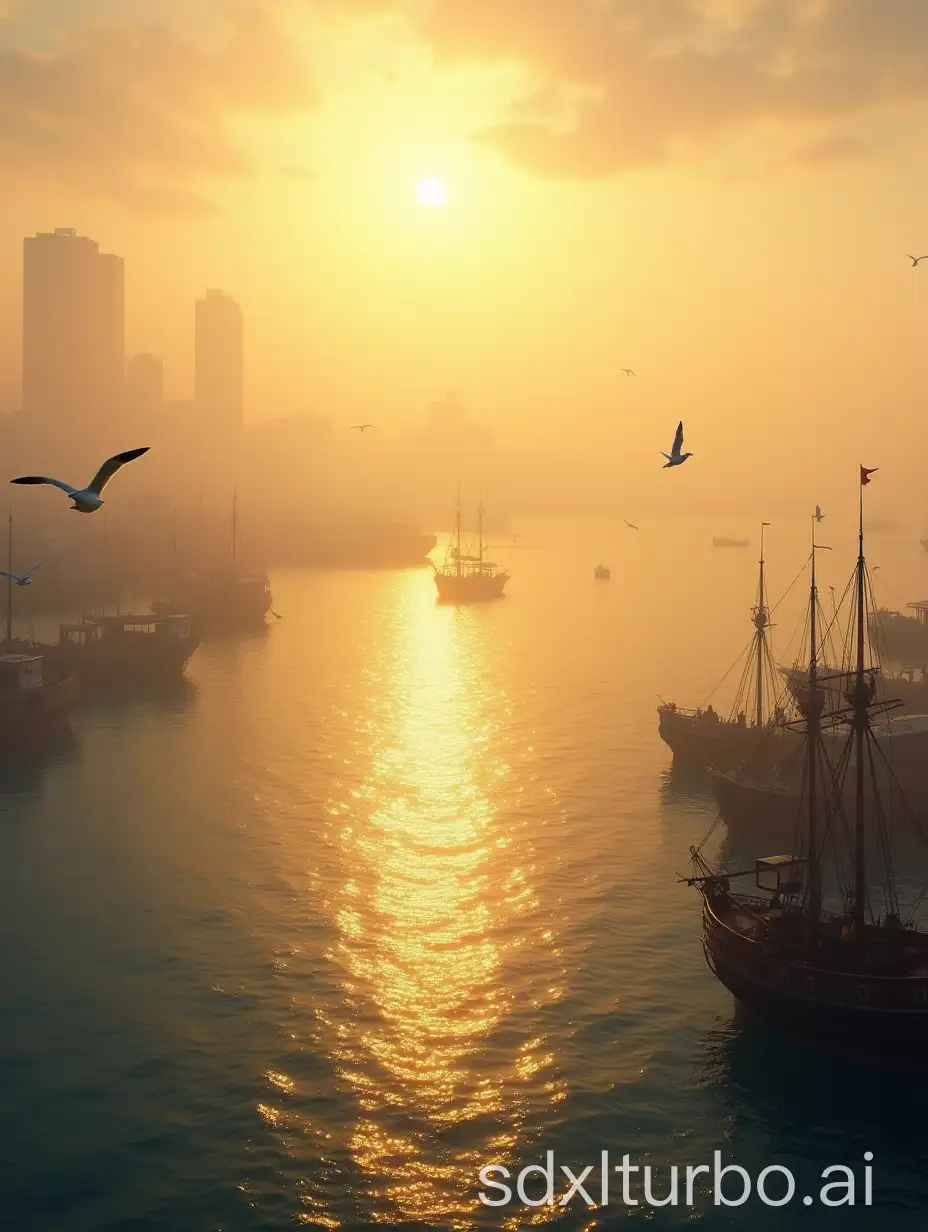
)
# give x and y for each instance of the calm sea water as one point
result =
(389, 894)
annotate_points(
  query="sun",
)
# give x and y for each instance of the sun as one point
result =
(431, 192)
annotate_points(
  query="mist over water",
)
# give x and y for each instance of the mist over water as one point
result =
(388, 893)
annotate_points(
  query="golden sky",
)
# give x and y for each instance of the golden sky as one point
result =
(717, 193)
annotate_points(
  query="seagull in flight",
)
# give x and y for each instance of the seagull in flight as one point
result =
(628, 371)
(675, 457)
(818, 515)
(21, 579)
(361, 427)
(88, 500)
(915, 260)
(630, 525)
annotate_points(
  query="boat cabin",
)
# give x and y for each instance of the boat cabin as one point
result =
(172, 627)
(786, 872)
(20, 673)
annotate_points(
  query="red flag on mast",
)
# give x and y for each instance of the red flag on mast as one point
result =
(865, 474)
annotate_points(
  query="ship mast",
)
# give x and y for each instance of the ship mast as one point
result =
(234, 526)
(760, 624)
(813, 734)
(9, 580)
(457, 554)
(859, 699)
(480, 531)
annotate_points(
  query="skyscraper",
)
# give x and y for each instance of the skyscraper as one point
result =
(219, 361)
(73, 332)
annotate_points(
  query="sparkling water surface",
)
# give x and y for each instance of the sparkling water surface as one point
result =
(389, 893)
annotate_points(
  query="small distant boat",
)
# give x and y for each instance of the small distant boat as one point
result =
(469, 578)
(730, 543)
(602, 573)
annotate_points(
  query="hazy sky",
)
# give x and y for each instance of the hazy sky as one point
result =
(717, 193)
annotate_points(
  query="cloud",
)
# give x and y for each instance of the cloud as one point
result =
(139, 113)
(648, 80)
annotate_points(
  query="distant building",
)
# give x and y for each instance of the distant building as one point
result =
(73, 332)
(145, 385)
(219, 360)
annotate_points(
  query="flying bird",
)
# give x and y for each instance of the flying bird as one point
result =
(915, 260)
(628, 371)
(361, 427)
(630, 525)
(675, 457)
(21, 579)
(87, 500)
(818, 515)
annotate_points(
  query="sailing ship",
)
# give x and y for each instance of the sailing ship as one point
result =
(802, 947)
(38, 689)
(469, 578)
(602, 573)
(220, 598)
(702, 738)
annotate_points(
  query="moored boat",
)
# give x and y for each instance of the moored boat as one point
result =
(755, 727)
(805, 946)
(469, 577)
(122, 650)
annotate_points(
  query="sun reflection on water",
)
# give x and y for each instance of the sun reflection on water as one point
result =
(436, 907)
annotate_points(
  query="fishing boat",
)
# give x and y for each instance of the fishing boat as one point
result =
(124, 650)
(469, 578)
(220, 598)
(38, 689)
(701, 737)
(602, 573)
(805, 946)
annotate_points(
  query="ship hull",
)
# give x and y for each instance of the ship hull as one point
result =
(29, 718)
(215, 606)
(107, 666)
(883, 1011)
(700, 743)
(468, 588)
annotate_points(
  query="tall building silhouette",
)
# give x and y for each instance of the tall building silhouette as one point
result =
(219, 361)
(145, 384)
(73, 332)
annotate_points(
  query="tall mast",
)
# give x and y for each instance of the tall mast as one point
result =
(457, 554)
(480, 531)
(234, 525)
(174, 543)
(813, 736)
(860, 699)
(9, 580)
(760, 625)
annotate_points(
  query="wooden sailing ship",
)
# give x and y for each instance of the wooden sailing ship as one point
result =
(469, 577)
(755, 727)
(806, 945)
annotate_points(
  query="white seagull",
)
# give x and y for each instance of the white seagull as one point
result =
(818, 515)
(87, 500)
(361, 427)
(21, 579)
(630, 525)
(675, 457)
(628, 371)
(914, 260)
